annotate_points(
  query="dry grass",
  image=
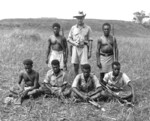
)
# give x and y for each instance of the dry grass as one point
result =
(18, 44)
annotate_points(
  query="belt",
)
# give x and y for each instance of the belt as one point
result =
(106, 54)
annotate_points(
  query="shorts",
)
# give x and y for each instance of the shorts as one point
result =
(79, 55)
(58, 55)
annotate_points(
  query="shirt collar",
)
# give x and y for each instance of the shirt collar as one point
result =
(82, 76)
(83, 26)
(120, 74)
(60, 73)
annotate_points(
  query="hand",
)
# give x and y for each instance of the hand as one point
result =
(85, 98)
(24, 94)
(47, 60)
(99, 65)
(89, 54)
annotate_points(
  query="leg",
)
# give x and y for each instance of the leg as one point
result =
(67, 92)
(76, 69)
(75, 97)
(101, 77)
(96, 96)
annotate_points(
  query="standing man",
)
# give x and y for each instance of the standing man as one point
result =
(107, 51)
(57, 48)
(79, 38)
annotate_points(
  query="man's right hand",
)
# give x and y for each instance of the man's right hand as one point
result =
(99, 65)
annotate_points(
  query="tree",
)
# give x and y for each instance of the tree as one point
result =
(138, 16)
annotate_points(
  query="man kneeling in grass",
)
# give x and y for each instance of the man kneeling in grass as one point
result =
(118, 85)
(28, 81)
(86, 86)
(55, 83)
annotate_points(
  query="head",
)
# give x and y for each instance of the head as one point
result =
(86, 69)
(56, 28)
(56, 66)
(106, 29)
(80, 18)
(116, 68)
(28, 64)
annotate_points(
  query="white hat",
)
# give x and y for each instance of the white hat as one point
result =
(79, 15)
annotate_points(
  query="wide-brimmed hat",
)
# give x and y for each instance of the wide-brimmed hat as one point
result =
(79, 15)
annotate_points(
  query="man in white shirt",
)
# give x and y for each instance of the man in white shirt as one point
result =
(118, 83)
(79, 38)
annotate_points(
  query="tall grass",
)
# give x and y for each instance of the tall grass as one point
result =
(18, 44)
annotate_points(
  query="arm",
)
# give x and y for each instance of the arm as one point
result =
(48, 51)
(70, 38)
(20, 80)
(75, 88)
(98, 87)
(98, 53)
(132, 89)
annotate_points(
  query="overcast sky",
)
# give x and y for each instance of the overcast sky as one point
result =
(99, 9)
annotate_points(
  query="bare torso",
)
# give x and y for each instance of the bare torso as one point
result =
(29, 79)
(106, 44)
(56, 43)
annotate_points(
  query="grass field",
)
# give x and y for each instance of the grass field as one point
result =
(21, 39)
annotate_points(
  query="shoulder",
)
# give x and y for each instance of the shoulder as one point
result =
(109, 74)
(63, 73)
(124, 75)
(73, 27)
(36, 73)
(51, 37)
(86, 26)
(79, 76)
(22, 72)
(62, 37)
(49, 73)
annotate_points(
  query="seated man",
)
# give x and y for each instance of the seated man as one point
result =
(118, 84)
(55, 82)
(30, 79)
(86, 86)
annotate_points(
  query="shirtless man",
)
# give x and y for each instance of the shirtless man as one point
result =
(107, 51)
(30, 80)
(57, 48)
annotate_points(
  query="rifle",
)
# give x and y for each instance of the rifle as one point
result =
(116, 96)
(63, 35)
(96, 105)
(114, 43)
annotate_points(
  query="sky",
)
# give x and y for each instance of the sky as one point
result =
(66, 9)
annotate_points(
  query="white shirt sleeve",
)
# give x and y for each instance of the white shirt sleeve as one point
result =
(125, 78)
(96, 81)
(47, 77)
(106, 77)
(76, 81)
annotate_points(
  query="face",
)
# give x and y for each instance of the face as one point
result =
(86, 72)
(106, 30)
(80, 20)
(56, 30)
(28, 68)
(116, 70)
(56, 68)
